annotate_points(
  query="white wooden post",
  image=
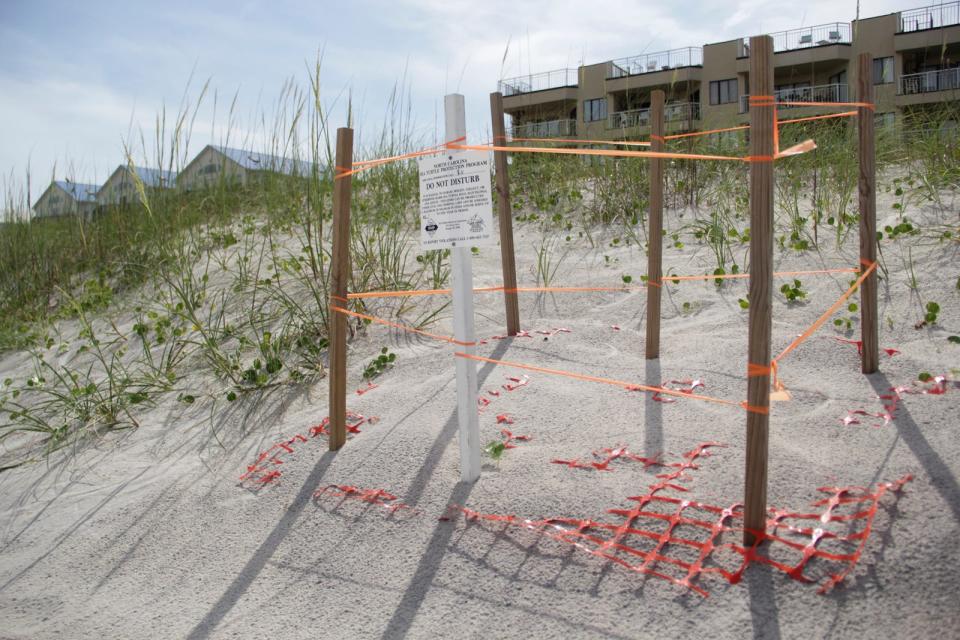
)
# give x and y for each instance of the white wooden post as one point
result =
(456, 127)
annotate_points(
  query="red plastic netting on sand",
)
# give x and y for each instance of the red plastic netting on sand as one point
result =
(683, 541)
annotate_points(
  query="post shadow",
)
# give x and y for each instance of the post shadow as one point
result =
(406, 611)
(264, 552)
(941, 478)
(764, 615)
(422, 580)
(652, 413)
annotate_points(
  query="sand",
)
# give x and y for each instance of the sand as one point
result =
(148, 533)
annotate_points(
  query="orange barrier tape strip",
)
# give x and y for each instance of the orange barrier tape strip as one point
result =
(616, 383)
(797, 149)
(692, 134)
(627, 143)
(865, 105)
(754, 370)
(731, 276)
(829, 312)
(402, 327)
(728, 276)
(844, 114)
(363, 165)
(599, 152)
(405, 156)
(776, 135)
(433, 292)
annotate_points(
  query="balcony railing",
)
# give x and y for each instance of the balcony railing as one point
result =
(820, 93)
(660, 61)
(538, 82)
(941, 15)
(673, 112)
(930, 81)
(549, 129)
(833, 33)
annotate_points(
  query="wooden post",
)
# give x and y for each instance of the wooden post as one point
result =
(339, 279)
(868, 217)
(463, 330)
(761, 283)
(507, 254)
(655, 234)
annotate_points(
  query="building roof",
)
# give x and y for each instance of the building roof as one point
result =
(79, 191)
(154, 177)
(254, 161)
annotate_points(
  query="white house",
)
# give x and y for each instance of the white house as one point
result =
(120, 187)
(64, 197)
(216, 163)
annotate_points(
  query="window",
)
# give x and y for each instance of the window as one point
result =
(595, 109)
(883, 70)
(210, 168)
(839, 78)
(723, 91)
(884, 120)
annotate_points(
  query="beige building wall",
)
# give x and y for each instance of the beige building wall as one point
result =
(592, 85)
(208, 169)
(720, 63)
(118, 189)
(57, 202)
(876, 37)
(820, 67)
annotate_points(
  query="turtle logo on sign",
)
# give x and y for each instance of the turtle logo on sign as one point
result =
(476, 224)
(430, 227)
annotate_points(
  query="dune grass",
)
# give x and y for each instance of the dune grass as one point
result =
(216, 294)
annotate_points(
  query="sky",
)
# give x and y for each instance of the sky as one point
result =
(78, 80)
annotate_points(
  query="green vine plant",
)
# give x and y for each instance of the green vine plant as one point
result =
(379, 364)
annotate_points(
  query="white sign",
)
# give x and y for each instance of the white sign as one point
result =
(456, 208)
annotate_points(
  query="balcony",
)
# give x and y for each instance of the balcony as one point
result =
(941, 15)
(661, 61)
(929, 82)
(673, 112)
(548, 129)
(556, 79)
(820, 93)
(805, 38)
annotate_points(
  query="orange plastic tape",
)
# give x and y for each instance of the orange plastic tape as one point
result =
(609, 381)
(433, 292)
(599, 152)
(754, 370)
(844, 114)
(402, 327)
(728, 276)
(626, 143)
(865, 105)
(692, 134)
(833, 309)
(363, 165)
(405, 156)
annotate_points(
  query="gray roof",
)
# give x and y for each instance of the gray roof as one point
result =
(254, 161)
(79, 191)
(155, 177)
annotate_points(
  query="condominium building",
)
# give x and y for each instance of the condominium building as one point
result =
(916, 63)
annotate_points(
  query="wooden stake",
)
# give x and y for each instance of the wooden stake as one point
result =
(339, 279)
(507, 254)
(463, 329)
(655, 233)
(868, 217)
(761, 283)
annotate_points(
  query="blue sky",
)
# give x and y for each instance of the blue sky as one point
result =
(79, 78)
